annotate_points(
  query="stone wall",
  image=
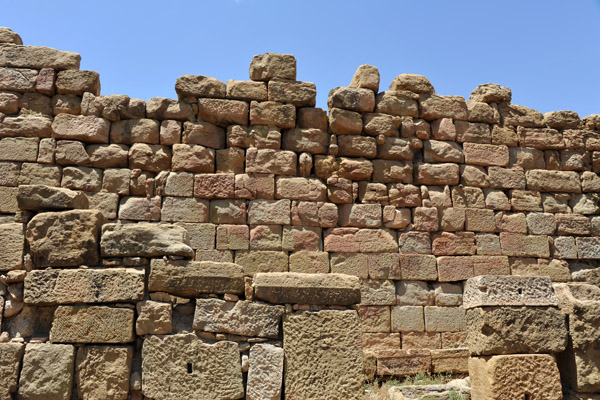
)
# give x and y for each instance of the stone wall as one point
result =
(245, 215)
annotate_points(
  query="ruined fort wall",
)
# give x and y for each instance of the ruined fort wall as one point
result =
(391, 199)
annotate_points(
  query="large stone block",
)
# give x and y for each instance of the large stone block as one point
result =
(265, 67)
(191, 278)
(76, 82)
(199, 86)
(265, 374)
(86, 128)
(270, 161)
(243, 318)
(333, 369)
(40, 197)
(404, 362)
(92, 324)
(492, 290)
(579, 364)
(510, 330)
(520, 376)
(13, 246)
(144, 240)
(26, 125)
(65, 239)
(102, 372)
(180, 367)
(299, 288)
(11, 355)
(47, 372)
(102, 285)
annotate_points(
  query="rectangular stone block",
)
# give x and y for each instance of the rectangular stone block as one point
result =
(404, 362)
(19, 149)
(265, 374)
(488, 290)
(193, 158)
(588, 247)
(103, 285)
(11, 355)
(47, 372)
(553, 181)
(444, 319)
(27, 125)
(453, 361)
(485, 154)
(13, 246)
(86, 128)
(514, 329)
(92, 324)
(276, 212)
(334, 370)
(223, 112)
(519, 376)
(353, 240)
(272, 113)
(299, 288)
(310, 189)
(144, 240)
(255, 261)
(102, 372)
(518, 245)
(375, 318)
(415, 267)
(242, 318)
(192, 368)
(191, 278)
(38, 57)
(270, 161)
(408, 319)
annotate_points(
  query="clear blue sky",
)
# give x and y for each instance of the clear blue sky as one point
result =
(546, 51)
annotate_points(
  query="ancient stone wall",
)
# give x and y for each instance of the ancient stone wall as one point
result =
(175, 247)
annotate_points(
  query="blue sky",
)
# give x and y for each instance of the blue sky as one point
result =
(547, 52)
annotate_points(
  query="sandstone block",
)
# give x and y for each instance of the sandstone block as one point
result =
(437, 174)
(506, 178)
(261, 137)
(404, 362)
(397, 103)
(246, 90)
(37, 57)
(384, 171)
(486, 154)
(111, 285)
(265, 237)
(18, 80)
(223, 112)
(191, 278)
(19, 149)
(199, 86)
(238, 318)
(192, 366)
(588, 247)
(66, 239)
(144, 240)
(77, 82)
(47, 372)
(357, 146)
(154, 318)
(298, 288)
(92, 324)
(310, 140)
(262, 261)
(407, 319)
(26, 125)
(140, 208)
(441, 151)
(107, 156)
(311, 262)
(545, 139)
(102, 372)
(516, 115)
(345, 122)
(265, 67)
(233, 237)
(413, 83)
(515, 244)
(444, 319)
(510, 330)
(451, 244)
(11, 355)
(268, 161)
(352, 240)
(300, 94)
(491, 93)
(354, 99)
(488, 290)
(150, 157)
(310, 189)
(275, 212)
(88, 129)
(455, 361)
(132, 131)
(360, 215)
(193, 158)
(161, 108)
(13, 243)
(272, 113)
(553, 181)
(366, 76)
(515, 376)
(338, 365)
(265, 374)
(434, 106)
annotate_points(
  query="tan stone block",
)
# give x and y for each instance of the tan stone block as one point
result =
(454, 361)
(421, 340)
(354, 99)
(230, 160)
(394, 218)
(509, 291)
(214, 186)
(170, 132)
(376, 124)
(407, 319)
(199, 86)
(378, 341)
(397, 103)
(92, 324)
(26, 125)
(434, 106)
(262, 261)
(404, 362)
(377, 292)
(460, 243)
(272, 113)
(472, 132)
(357, 146)
(437, 174)
(506, 178)
(312, 118)
(107, 155)
(300, 94)
(47, 371)
(193, 158)
(184, 209)
(140, 208)
(254, 186)
(374, 318)
(553, 181)
(265, 374)
(261, 137)
(442, 151)
(415, 267)
(82, 178)
(486, 154)
(340, 361)
(452, 340)
(404, 195)
(246, 90)
(366, 76)
(308, 213)
(191, 278)
(102, 372)
(301, 238)
(344, 122)
(515, 223)
(150, 157)
(451, 269)
(71, 152)
(223, 112)
(233, 237)
(444, 319)
(310, 189)
(19, 149)
(514, 244)
(13, 239)
(360, 240)
(268, 161)
(132, 131)
(88, 129)
(413, 293)
(11, 355)
(360, 215)
(309, 262)
(572, 224)
(480, 220)
(265, 237)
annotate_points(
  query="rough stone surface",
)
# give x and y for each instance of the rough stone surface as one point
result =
(92, 324)
(332, 369)
(65, 239)
(197, 370)
(13, 246)
(518, 376)
(239, 318)
(144, 240)
(37, 57)
(510, 330)
(265, 374)
(11, 355)
(102, 372)
(284, 288)
(47, 372)
(489, 290)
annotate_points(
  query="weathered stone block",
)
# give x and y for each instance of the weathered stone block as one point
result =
(184, 209)
(199, 86)
(489, 290)
(265, 374)
(519, 376)
(102, 372)
(154, 318)
(407, 319)
(144, 240)
(437, 174)
(444, 319)
(300, 94)
(298, 288)
(331, 370)
(238, 318)
(455, 361)
(515, 244)
(269, 161)
(11, 355)
(140, 208)
(47, 372)
(13, 244)
(111, 285)
(191, 278)
(269, 212)
(192, 367)
(92, 324)
(65, 239)
(510, 330)
(404, 362)
(193, 158)
(88, 129)
(272, 113)
(553, 181)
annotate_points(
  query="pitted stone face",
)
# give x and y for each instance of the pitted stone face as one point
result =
(488, 290)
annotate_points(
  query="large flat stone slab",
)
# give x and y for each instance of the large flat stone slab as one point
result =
(11, 355)
(41, 197)
(181, 367)
(13, 246)
(243, 318)
(37, 57)
(92, 324)
(102, 372)
(521, 376)
(511, 330)
(191, 278)
(47, 372)
(65, 239)
(265, 374)
(323, 355)
(299, 288)
(99, 285)
(403, 362)
(144, 240)
(579, 364)
(500, 290)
